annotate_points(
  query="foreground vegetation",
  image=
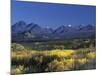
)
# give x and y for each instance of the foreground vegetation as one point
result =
(30, 60)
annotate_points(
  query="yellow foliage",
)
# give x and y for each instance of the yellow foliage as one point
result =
(64, 60)
(82, 60)
(56, 66)
(69, 63)
(91, 55)
(57, 52)
(19, 69)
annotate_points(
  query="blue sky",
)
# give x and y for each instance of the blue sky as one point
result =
(53, 15)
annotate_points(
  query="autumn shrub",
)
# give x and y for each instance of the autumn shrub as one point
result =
(52, 60)
(16, 47)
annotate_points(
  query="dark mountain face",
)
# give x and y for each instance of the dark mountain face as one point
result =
(35, 29)
(30, 31)
(60, 29)
(19, 27)
(29, 27)
(86, 28)
(64, 29)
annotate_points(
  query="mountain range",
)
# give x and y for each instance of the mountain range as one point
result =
(32, 31)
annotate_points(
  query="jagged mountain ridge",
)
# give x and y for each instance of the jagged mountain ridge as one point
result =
(34, 31)
(21, 26)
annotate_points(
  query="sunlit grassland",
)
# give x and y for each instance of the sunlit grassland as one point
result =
(34, 61)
